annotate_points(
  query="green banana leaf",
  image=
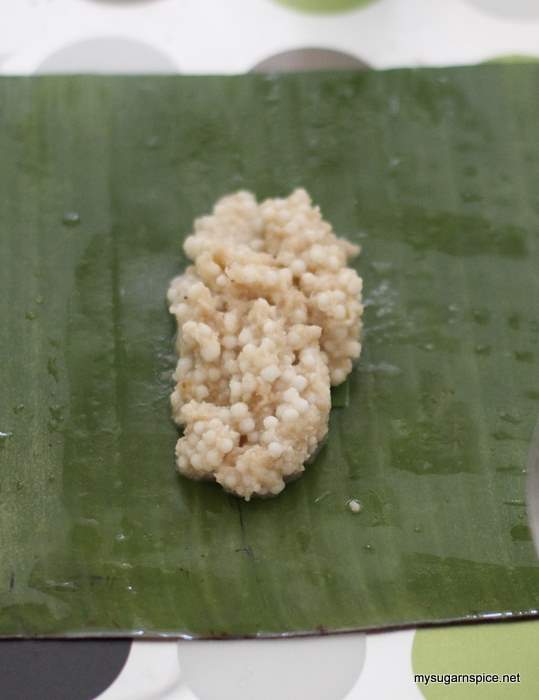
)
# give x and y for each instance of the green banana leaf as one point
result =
(435, 173)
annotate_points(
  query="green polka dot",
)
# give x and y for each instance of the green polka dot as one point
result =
(503, 648)
(325, 6)
(514, 58)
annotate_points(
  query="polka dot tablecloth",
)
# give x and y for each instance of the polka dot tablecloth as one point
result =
(235, 36)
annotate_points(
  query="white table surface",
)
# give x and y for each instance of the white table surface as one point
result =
(234, 36)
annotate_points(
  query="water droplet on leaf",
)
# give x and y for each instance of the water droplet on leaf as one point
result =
(71, 218)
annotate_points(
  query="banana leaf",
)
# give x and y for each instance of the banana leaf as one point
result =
(435, 173)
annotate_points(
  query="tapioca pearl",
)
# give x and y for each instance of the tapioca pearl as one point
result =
(354, 286)
(317, 254)
(249, 350)
(178, 374)
(339, 312)
(210, 437)
(267, 345)
(291, 228)
(221, 280)
(308, 280)
(277, 488)
(176, 399)
(299, 315)
(301, 405)
(333, 262)
(275, 449)
(245, 336)
(184, 365)
(270, 373)
(338, 375)
(179, 310)
(250, 274)
(230, 480)
(294, 339)
(353, 348)
(288, 376)
(199, 427)
(188, 329)
(210, 268)
(239, 410)
(230, 322)
(290, 414)
(270, 278)
(308, 359)
(247, 425)
(270, 422)
(225, 445)
(298, 267)
(196, 461)
(201, 392)
(312, 236)
(323, 299)
(285, 276)
(211, 350)
(253, 437)
(235, 389)
(269, 327)
(299, 382)
(213, 458)
(291, 395)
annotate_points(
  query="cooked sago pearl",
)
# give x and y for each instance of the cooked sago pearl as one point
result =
(239, 410)
(270, 373)
(269, 315)
(201, 392)
(209, 437)
(247, 425)
(270, 422)
(275, 449)
(290, 414)
(225, 445)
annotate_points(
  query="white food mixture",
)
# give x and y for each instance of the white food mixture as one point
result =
(269, 316)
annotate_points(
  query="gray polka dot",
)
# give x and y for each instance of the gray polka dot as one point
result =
(309, 59)
(516, 9)
(122, 2)
(107, 55)
(302, 666)
(72, 669)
